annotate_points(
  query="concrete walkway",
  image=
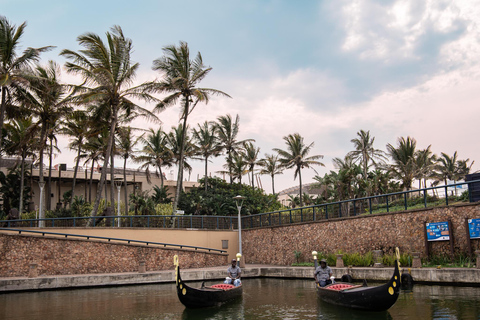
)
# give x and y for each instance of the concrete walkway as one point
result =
(450, 276)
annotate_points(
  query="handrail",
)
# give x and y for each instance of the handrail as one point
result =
(316, 209)
(66, 235)
(308, 213)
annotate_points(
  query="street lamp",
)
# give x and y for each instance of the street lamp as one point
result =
(239, 201)
(41, 214)
(118, 183)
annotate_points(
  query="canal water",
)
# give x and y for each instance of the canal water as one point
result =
(262, 299)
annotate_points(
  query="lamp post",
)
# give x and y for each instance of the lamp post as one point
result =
(118, 183)
(41, 213)
(239, 201)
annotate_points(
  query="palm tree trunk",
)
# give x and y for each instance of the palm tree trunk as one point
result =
(206, 174)
(40, 177)
(112, 181)
(22, 183)
(105, 163)
(125, 191)
(300, 179)
(49, 184)
(2, 116)
(180, 161)
(273, 184)
(91, 182)
(75, 176)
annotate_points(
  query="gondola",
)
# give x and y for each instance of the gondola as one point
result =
(206, 296)
(378, 298)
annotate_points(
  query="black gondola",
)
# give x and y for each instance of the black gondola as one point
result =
(348, 295)
(209, 296)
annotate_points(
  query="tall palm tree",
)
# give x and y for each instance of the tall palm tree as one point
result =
(48, 102)
(296, 156)
(77, 127)
(206, 144)
(108, 74)
(155, 153)
(181, 75)
(250, 155)
(403, 157)
(126, 142)
(364, 151)
(13, 64)
(21, 141)
(227, 131)
(271, 166)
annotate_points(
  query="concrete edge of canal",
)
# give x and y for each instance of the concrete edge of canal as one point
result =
(448, 276)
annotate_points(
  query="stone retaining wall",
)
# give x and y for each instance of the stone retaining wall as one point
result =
(53, 256)
(276, 245)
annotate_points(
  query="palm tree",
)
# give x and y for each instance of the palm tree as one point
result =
(48, 101)
(250, 155)
(239, 167)
(425, 163)
(272, 167)
(206, 144)
(108, 74)
(227, 132)
(174, 141)
(126, 143)
(403, 156)
(450, 168)
(181, 77)
(13, 65)
(296, 156)
(77, 127)
(155, 153)
(365, 152)
(21, 141)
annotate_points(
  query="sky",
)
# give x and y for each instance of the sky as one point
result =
(323, 69)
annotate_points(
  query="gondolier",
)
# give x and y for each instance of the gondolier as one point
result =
(323, 273)
(234, 274)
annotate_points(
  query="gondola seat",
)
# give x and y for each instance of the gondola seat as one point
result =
(340, 286)
(223, 286)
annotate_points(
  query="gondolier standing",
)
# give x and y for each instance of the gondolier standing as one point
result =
(323, 273)
(234, 274)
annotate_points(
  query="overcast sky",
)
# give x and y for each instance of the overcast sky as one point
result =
(324, 69)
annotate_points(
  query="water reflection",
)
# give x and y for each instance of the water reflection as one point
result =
(263, 299)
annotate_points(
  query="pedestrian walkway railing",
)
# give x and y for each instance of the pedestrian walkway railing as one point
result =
(108, 239)
(147, 221)
(385, 203)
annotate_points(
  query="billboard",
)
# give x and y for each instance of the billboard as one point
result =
(474, 228)
(438, 231)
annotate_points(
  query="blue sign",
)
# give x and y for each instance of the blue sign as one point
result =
(474, 228)
(438, 231)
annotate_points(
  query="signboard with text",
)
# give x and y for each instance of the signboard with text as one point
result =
(474, 228)
(438, 231)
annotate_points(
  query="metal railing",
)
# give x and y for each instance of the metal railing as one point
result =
(147, 221)
(108, 239)
(392, 202)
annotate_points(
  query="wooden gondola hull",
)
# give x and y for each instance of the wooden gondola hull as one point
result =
(204, 297)
(366, 298)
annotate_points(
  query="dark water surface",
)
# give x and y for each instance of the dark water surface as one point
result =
(262, 299)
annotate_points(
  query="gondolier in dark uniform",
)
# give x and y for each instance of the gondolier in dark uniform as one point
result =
(323, 273)
(234, 274)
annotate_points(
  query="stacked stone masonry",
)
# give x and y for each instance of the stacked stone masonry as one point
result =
(360, 234)
(54, 256)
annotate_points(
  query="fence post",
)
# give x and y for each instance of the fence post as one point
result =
(446, 196)
(405, 200)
